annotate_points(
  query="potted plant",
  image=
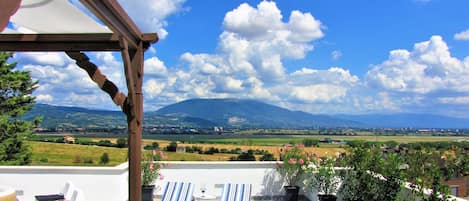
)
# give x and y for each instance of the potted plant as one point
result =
(150, 172)
(293, 159)
(323, 178)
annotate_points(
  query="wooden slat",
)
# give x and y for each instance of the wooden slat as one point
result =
(85, 37)
(59, 42)
(51, 47)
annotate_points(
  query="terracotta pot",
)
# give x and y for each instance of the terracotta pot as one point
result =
(147, 192)
(327, 197)
(291, 193)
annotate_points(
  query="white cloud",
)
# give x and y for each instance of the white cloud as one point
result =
(464, 35)
(152, 88)
(44, 58)
(150, 15)
(318, 93)
(154, 66)
(44, 98)
(428, 67)
(336, 54)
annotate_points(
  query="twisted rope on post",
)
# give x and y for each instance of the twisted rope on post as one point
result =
(100, 79)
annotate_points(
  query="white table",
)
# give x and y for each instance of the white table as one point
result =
(204, 197)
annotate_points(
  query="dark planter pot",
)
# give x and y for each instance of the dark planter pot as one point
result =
(327, 197)
(291, 193)
(147, 192)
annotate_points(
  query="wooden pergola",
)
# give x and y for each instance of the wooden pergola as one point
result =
(123, 36)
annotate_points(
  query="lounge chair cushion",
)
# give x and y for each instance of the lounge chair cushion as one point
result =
(178, 191)
(236, 192)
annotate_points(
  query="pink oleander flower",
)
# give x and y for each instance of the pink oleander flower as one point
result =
(161, 177)
(291, 161)
(301, 161)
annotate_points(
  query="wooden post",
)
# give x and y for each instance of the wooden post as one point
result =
(133, 65)
(7, 9)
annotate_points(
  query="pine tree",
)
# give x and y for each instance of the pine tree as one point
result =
(16, 88)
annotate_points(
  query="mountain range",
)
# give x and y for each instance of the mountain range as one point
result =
(239, 113)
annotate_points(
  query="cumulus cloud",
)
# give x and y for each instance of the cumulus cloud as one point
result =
(152, 88)
(150, 15)
(428, 67)
(318, 93)
(155, 67)
(464, 35)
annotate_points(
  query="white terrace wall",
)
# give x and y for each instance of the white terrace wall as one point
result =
(97, 183)
(110, 183)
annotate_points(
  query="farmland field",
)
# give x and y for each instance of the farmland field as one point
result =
(82, 155)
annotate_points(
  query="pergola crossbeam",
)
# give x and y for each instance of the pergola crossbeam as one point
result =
(60, 42)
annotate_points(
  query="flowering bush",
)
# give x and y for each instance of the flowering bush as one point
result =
(322, 176)
(295, 159)
(151, 167)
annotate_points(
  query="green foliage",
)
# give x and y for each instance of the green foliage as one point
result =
(151, 167)
(311, 142)
(245, 156)
(294, 159)
(172, 146)
(16, 88)
(322, 176)
(373, 176)
(153, 146)
(121, 143)
(267, 157)
(428, 170)
(105, 143)
(104, 159)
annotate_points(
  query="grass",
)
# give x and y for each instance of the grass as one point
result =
(73, 155)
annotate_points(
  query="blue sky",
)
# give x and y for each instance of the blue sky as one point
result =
(319, 56)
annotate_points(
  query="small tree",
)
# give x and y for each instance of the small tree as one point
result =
(104, 158)
(267, 157)
(172, 146)
(16, 88)
(122, 143)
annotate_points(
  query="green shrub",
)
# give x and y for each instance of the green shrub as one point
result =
(172, 146)
(104, 159)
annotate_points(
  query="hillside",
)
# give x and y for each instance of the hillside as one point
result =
(75, 117)
(250, 113)
(207, 113)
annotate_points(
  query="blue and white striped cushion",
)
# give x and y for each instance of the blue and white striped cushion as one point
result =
(236, 192)
(178, 191)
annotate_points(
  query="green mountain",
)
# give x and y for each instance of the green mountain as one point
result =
(239, 113)
(75, 117)
(250, 113)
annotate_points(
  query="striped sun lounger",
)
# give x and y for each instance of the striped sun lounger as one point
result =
(178, 191)
(236, 192)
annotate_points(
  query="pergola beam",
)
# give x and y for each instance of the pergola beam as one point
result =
(66, 42)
